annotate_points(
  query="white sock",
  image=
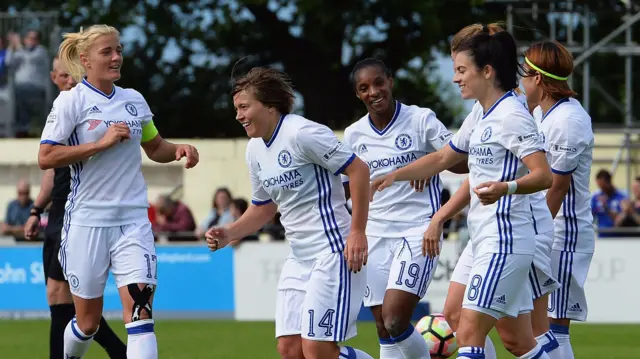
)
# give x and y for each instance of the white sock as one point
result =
(76, 343)
(550, 345)
(389, 350)
(351, 353)
(471, 353)
(536, 353)
(565, 351)
(489, 349)
(141, 341)
(412, 344)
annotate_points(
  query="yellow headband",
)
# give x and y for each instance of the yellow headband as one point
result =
(555, 77)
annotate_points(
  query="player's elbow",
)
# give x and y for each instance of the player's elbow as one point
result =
(357, 169)
(45, 160)
(545, 179)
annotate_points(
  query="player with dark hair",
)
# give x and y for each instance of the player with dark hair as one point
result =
(506, 163)
(54, 189)
(294, 165)
(389, 136)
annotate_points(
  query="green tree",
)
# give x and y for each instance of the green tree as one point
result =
(316, 41)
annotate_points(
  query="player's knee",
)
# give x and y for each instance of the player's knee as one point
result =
(394, 324)
(452, 316)
(88, 325)
(515, 345)
(290, 348)
(142, 299)
(58, 292)
(319, 349)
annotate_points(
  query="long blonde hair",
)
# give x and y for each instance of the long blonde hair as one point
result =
(76, 43)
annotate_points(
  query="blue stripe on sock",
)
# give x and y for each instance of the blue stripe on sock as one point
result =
(141, 329)
(386, 341)
(559, 329)
(76, 331)
(407, 333)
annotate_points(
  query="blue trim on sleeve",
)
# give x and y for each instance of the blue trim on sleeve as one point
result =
(49, 142)
(261, 203)
(563, 172)
(346, 164)
(456, 148)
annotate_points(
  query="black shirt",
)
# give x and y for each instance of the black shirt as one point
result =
(59, 194)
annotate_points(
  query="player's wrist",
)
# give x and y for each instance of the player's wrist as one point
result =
(510, 187)
(36, 211)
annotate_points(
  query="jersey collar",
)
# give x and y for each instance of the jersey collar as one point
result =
(508, 94)
(393, 120)
(561, 101)
(275, 132)
(113, 92)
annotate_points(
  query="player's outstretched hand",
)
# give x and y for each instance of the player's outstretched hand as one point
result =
(357, 251)
(490, 192)
(431, 239)
(190, 152)
(418, 185)
(217, 238)
(380, 183)
(31, 227)
(116, 133)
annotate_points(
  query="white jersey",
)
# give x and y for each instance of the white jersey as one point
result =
(299, 169)
(569, 141)
(540, 214)
(413, 132)
(496, 142)
(107, 189)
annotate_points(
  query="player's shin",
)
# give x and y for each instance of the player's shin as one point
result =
(61, 316)
(389, 349)
(564, 351)
(550, 344)
(352, 353)
(141, 340)
(536, 353)
(412, 344)
(76, 343)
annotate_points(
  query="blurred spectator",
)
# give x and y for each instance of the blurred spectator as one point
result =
(630, 215)
(238, 207)
(274, 228)
(220, 212)
(18, 212)
(606, 203)
(30, 64)
(174, 216)
(3, 66)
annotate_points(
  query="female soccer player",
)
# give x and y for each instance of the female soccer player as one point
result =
(393, 135)
(97, 128)
(540, 276)
(294, 165)
(54, 189)
(568, 139)
(505, 161)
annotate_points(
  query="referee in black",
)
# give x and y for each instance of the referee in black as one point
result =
(55, 189)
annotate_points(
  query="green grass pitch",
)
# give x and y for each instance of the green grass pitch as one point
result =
(241, 340)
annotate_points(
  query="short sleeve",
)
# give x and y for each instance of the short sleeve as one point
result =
(565, 144)
(520, 135)
(259, 196)
(61, 122)
(460, 141)
(319, 145)
(434, 133)
(343, 177)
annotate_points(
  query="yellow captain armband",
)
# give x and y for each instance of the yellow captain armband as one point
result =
(149, 132)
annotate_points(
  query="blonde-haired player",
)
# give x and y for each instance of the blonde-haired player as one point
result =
(97, 129)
